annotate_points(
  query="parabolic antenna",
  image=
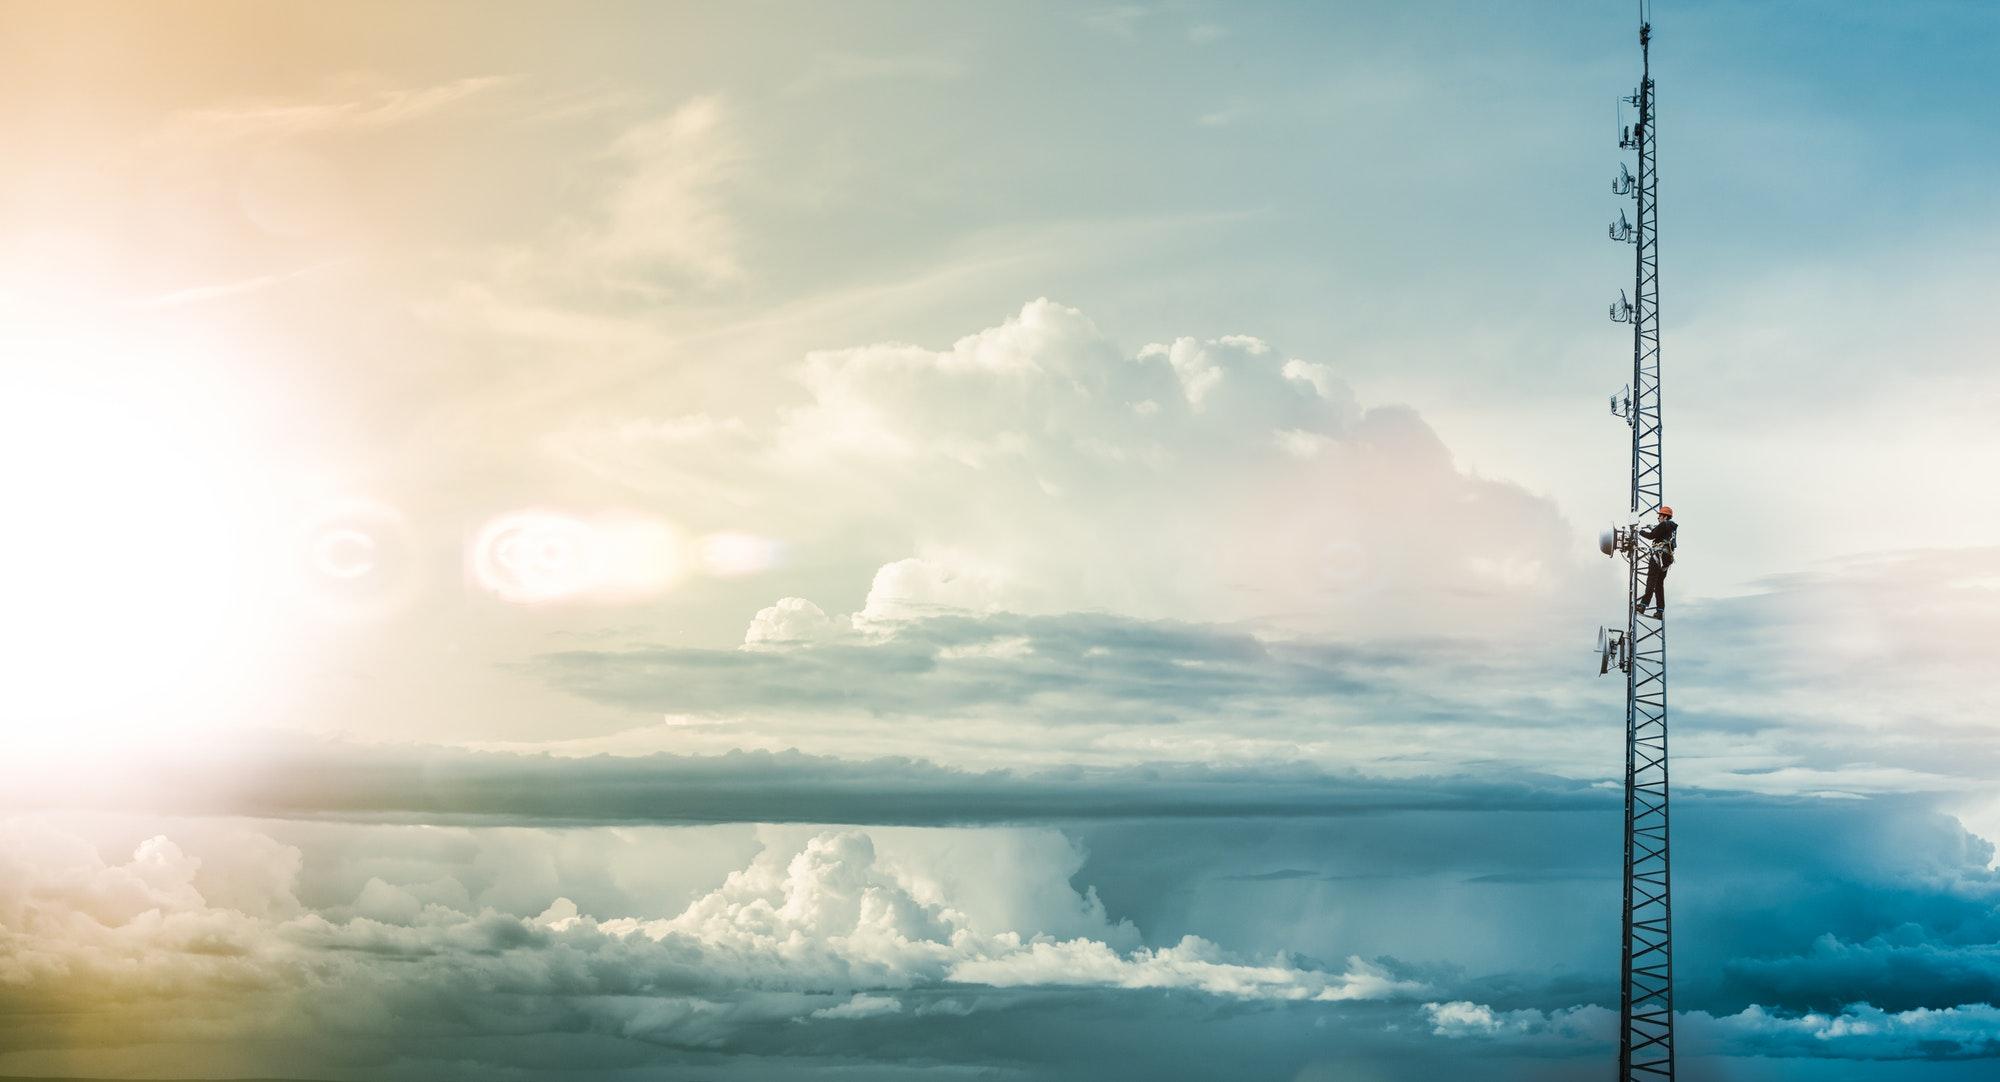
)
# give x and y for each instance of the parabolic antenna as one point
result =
(1610, 650)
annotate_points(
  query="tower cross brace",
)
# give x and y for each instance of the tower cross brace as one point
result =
(1646, 978)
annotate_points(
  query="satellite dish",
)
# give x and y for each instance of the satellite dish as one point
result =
(1610, 650)
(1607, 541)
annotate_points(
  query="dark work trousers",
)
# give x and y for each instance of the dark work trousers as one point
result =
(1656, 584)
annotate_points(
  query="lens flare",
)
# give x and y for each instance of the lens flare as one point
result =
(357, 559)
(344, 554)
(534, 557)
(731, 555)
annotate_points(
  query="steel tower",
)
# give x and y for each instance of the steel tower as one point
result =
(1646, 977)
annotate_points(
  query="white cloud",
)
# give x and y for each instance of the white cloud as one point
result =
(74, 924)
(1193, 963)
(793, 620)
(1461, 1019)
(834, 915)
(924, 586)
(1036, 466)
(862, 1005)
(1859, 1031)
(1865, 1031)
(358, 101)
(662, 214)
(1198, 373)
(653, 224)
(812, 915)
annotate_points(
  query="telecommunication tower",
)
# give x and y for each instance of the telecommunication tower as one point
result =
(1639, 649)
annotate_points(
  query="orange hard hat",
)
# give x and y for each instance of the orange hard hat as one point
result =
(1666, 512)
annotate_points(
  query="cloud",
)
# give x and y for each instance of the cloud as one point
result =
(71, 923)
(1278, 552)
(1122, 689)
(1859, 1031)
(222, 291)
(1858, 676)
(828, 929)
(758, 945)
(661, 214)
(862, 1005)
(1799, 904)
(1192, 963)
(1037, 466)
(1459, 1019)
(792, 620)
(1905, 966)
(651, 223)
(313, 779)
(357, 102)
(1811, 684)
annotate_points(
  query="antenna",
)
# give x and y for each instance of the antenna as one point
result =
(1611, 650)
(1621, 309)
(1622, 229)
(1646, 963)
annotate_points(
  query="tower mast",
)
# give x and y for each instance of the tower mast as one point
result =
(1646, 987)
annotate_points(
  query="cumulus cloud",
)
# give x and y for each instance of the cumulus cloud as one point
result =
(1459, 1019)
(770, 941)
(942, 583)
(73, 924)
(1859, 1031)
(827, 929)
(792, 620)
(1039, 466)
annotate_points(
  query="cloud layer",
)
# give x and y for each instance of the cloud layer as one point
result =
(1398, 938)
(822, 930)
(1036, 466)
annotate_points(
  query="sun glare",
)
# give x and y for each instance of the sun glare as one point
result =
(132, 549)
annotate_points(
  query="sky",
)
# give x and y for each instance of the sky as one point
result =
(1028, 541)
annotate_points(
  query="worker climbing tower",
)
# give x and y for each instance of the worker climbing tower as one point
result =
(1646, 977)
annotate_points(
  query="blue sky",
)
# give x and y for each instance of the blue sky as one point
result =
(1029, 541)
